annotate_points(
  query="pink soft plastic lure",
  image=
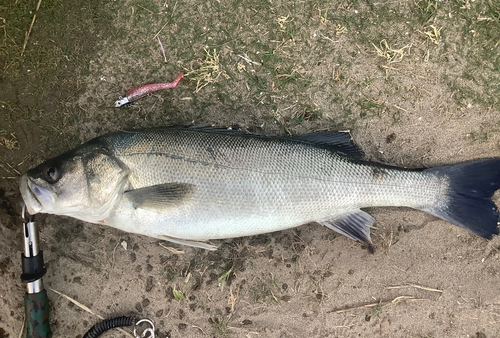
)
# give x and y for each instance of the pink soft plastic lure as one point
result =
(136, 93)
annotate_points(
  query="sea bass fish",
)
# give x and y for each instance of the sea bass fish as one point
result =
(189, 185)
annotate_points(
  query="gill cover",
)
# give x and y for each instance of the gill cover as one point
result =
(107, 179)
(86, 184)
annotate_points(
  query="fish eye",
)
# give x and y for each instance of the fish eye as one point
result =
(51, 174)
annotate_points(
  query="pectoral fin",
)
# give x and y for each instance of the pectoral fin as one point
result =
(355, 225)
(195, 244)
(160, 197)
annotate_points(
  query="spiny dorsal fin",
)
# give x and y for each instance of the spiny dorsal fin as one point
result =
(338, 141)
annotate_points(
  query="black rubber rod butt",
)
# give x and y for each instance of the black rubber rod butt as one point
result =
(36, 306)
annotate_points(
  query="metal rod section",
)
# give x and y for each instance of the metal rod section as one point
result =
(31, 247)
(34, 287)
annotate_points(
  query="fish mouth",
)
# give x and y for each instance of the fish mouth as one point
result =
(34, 196)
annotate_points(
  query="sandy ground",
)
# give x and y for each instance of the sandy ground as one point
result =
(426, 278)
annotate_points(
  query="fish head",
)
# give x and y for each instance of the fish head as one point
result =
(86, 183)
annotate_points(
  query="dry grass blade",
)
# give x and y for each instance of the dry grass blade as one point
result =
(172, 250)
(432, 33)
(158, 33)
(208, 70)
(232, 301)
(80, 305)
(391, 55)
(414, 286)
(162, 49)
(4, 33)
(83, 307)
(22, 327)
(15, 170)
(372, 305)
(199, 328)
(31, 27)
(8, 141)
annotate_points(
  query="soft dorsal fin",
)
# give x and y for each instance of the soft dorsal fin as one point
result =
(338, 141)
(160, 197)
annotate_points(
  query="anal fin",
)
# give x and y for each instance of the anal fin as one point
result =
(187, 242)
(355, 225)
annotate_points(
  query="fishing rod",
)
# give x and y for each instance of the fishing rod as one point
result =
(36, 303)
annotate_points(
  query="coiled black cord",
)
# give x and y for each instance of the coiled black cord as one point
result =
(108, 324)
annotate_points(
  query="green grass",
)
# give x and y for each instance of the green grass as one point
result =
(298, 49)
(48, 74)
(178, 295)
(265, 290)
(485, 131)
(219, 327)
(375, 312)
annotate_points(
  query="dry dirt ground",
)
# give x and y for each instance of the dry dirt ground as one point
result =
(416, 82)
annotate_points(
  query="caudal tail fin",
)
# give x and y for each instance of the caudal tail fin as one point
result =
(469, 204)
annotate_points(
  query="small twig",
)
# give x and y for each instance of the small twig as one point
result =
(31, 27)
(369, 306)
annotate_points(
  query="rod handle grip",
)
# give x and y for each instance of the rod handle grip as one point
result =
(37, 309)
